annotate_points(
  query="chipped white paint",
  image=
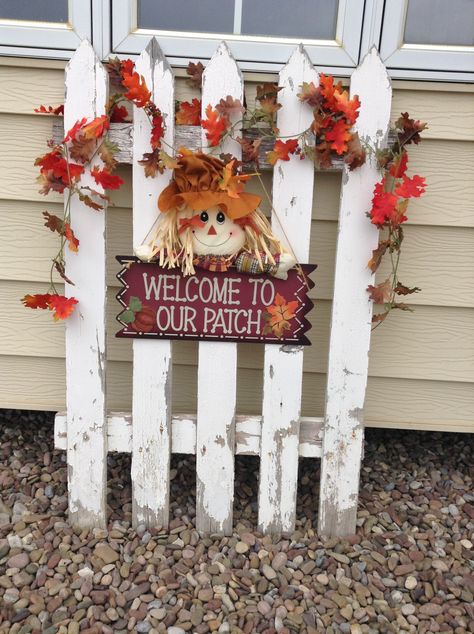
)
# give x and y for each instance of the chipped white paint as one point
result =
(217, 371)
(183, 434)
(86, 96)
(352, 311)
(283, 366)
(152, 366)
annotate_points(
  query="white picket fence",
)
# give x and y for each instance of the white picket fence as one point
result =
(279, 435)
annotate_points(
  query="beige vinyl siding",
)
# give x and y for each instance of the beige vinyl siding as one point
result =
(421, 363)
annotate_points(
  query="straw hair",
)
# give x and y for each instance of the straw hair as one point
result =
(175, 250)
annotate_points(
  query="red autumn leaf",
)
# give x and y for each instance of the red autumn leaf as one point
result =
(119, 114)
(189, 113)
(194, 72)
(72, 133)
(310, 94)
(411, 187)
(106, 179)
(59, 110)
(383, 205)
(96, 128)
(53, 164)
(127, 67)
(73, 242)
(137, 89)
(37, 301)
(157, 130)
(339, 135)
(399, 165)
(62, 306)
(282, 150)
(214, 125)
(382, 293)
(230, 108)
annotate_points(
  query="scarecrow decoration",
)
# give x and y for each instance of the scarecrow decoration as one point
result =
(210, 267)
(207, 221)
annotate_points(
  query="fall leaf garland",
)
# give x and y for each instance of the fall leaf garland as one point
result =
(334, 114)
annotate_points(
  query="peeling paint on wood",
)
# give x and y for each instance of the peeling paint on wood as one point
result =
(248, 430)
(217, 371)
(352, 311)
(152, 367)
(283, 365)
(86, 96)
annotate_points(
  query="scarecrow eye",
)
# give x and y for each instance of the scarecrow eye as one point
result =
(220, 217)
(204, 216)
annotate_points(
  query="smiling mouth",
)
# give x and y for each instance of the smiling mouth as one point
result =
(211, 246)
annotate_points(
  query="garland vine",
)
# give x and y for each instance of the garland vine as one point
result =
(329, 134)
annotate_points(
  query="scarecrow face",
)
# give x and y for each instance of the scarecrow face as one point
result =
(219, 235)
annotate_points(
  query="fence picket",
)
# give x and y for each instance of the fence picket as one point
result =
(217, 371)
(152, 368)
(86, 96)
(352, 311)
(283, 366)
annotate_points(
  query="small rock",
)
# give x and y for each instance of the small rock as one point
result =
(430, 609)
(241, 548)
(18, 561)
(106, 553)
(411, 582)
(269, 572)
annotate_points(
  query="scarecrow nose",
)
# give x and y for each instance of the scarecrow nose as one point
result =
(212, 231)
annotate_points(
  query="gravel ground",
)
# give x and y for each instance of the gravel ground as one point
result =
(409, 567)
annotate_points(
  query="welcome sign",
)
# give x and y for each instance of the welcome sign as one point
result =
(230, 306)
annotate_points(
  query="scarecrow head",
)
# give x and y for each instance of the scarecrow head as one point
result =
(206, 212)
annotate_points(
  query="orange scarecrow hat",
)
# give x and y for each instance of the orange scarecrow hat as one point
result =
(201, 181)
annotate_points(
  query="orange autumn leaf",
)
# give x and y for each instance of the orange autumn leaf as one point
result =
(232, 183)
(106, 179)
(349, 107)
(281, 312)
(189, 113)
(282, 150)
(73, 242)
(62, 306)
(96, 128)
(338, 135)
(137, 89)
(214, 125)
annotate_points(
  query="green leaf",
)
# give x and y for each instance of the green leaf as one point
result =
(134, 304)
(127, 317)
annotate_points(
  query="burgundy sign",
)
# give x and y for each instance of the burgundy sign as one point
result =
(230, 306)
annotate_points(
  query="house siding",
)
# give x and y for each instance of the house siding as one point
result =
(421, 370)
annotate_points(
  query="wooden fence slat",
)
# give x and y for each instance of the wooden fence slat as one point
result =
(352, 311)
(152, 368)
(283, 365)
(217, 371)
(86, 96)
